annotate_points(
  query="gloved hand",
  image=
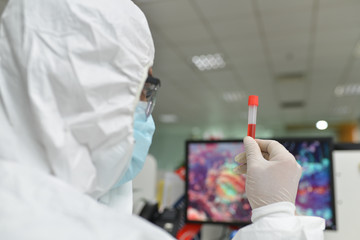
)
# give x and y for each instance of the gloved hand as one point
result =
(272, 173)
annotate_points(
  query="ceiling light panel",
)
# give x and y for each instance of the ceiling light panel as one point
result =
(343, 110)
(168, 118)
(352, 89)
(231, 97)
(208, 62)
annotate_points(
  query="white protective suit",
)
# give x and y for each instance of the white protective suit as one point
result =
(70, 78)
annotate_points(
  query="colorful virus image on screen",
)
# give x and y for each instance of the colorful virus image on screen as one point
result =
(215, 193)
(315, 192)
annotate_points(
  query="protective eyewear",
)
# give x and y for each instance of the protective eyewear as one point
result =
(149, 91)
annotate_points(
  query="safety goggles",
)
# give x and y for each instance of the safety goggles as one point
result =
(149, 91)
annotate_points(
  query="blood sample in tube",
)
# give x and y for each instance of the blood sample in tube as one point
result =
(253, 103)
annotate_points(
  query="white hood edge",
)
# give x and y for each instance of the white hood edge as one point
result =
(70, 78)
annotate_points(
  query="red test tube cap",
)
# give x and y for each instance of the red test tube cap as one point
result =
(253, 100)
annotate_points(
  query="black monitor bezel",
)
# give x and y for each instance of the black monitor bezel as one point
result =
(346, 146)
(279, 139)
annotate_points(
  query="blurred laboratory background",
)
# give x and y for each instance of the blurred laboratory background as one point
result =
(302, 58)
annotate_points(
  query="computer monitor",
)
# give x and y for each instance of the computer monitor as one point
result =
(215, 194)
(315, 196)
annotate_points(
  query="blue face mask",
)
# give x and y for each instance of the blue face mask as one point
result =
(144, 129)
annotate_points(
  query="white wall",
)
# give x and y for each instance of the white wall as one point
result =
(347, 194)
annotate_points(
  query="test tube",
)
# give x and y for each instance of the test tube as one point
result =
(253, 103)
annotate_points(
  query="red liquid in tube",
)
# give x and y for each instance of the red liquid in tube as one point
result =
(251, 130)
(253, 103)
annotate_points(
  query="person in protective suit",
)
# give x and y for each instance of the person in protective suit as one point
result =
(71, 76)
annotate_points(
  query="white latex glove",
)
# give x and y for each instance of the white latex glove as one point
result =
(272, 173)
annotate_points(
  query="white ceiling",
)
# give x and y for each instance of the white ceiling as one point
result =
(260, 40)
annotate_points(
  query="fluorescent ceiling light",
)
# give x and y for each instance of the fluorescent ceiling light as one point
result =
(208, 62)
(233, 96)
(168, 118)
(321, 125)
(342, 110)
(347, 90)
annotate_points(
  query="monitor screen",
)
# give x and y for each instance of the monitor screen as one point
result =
(315, 195)
(215, 194)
